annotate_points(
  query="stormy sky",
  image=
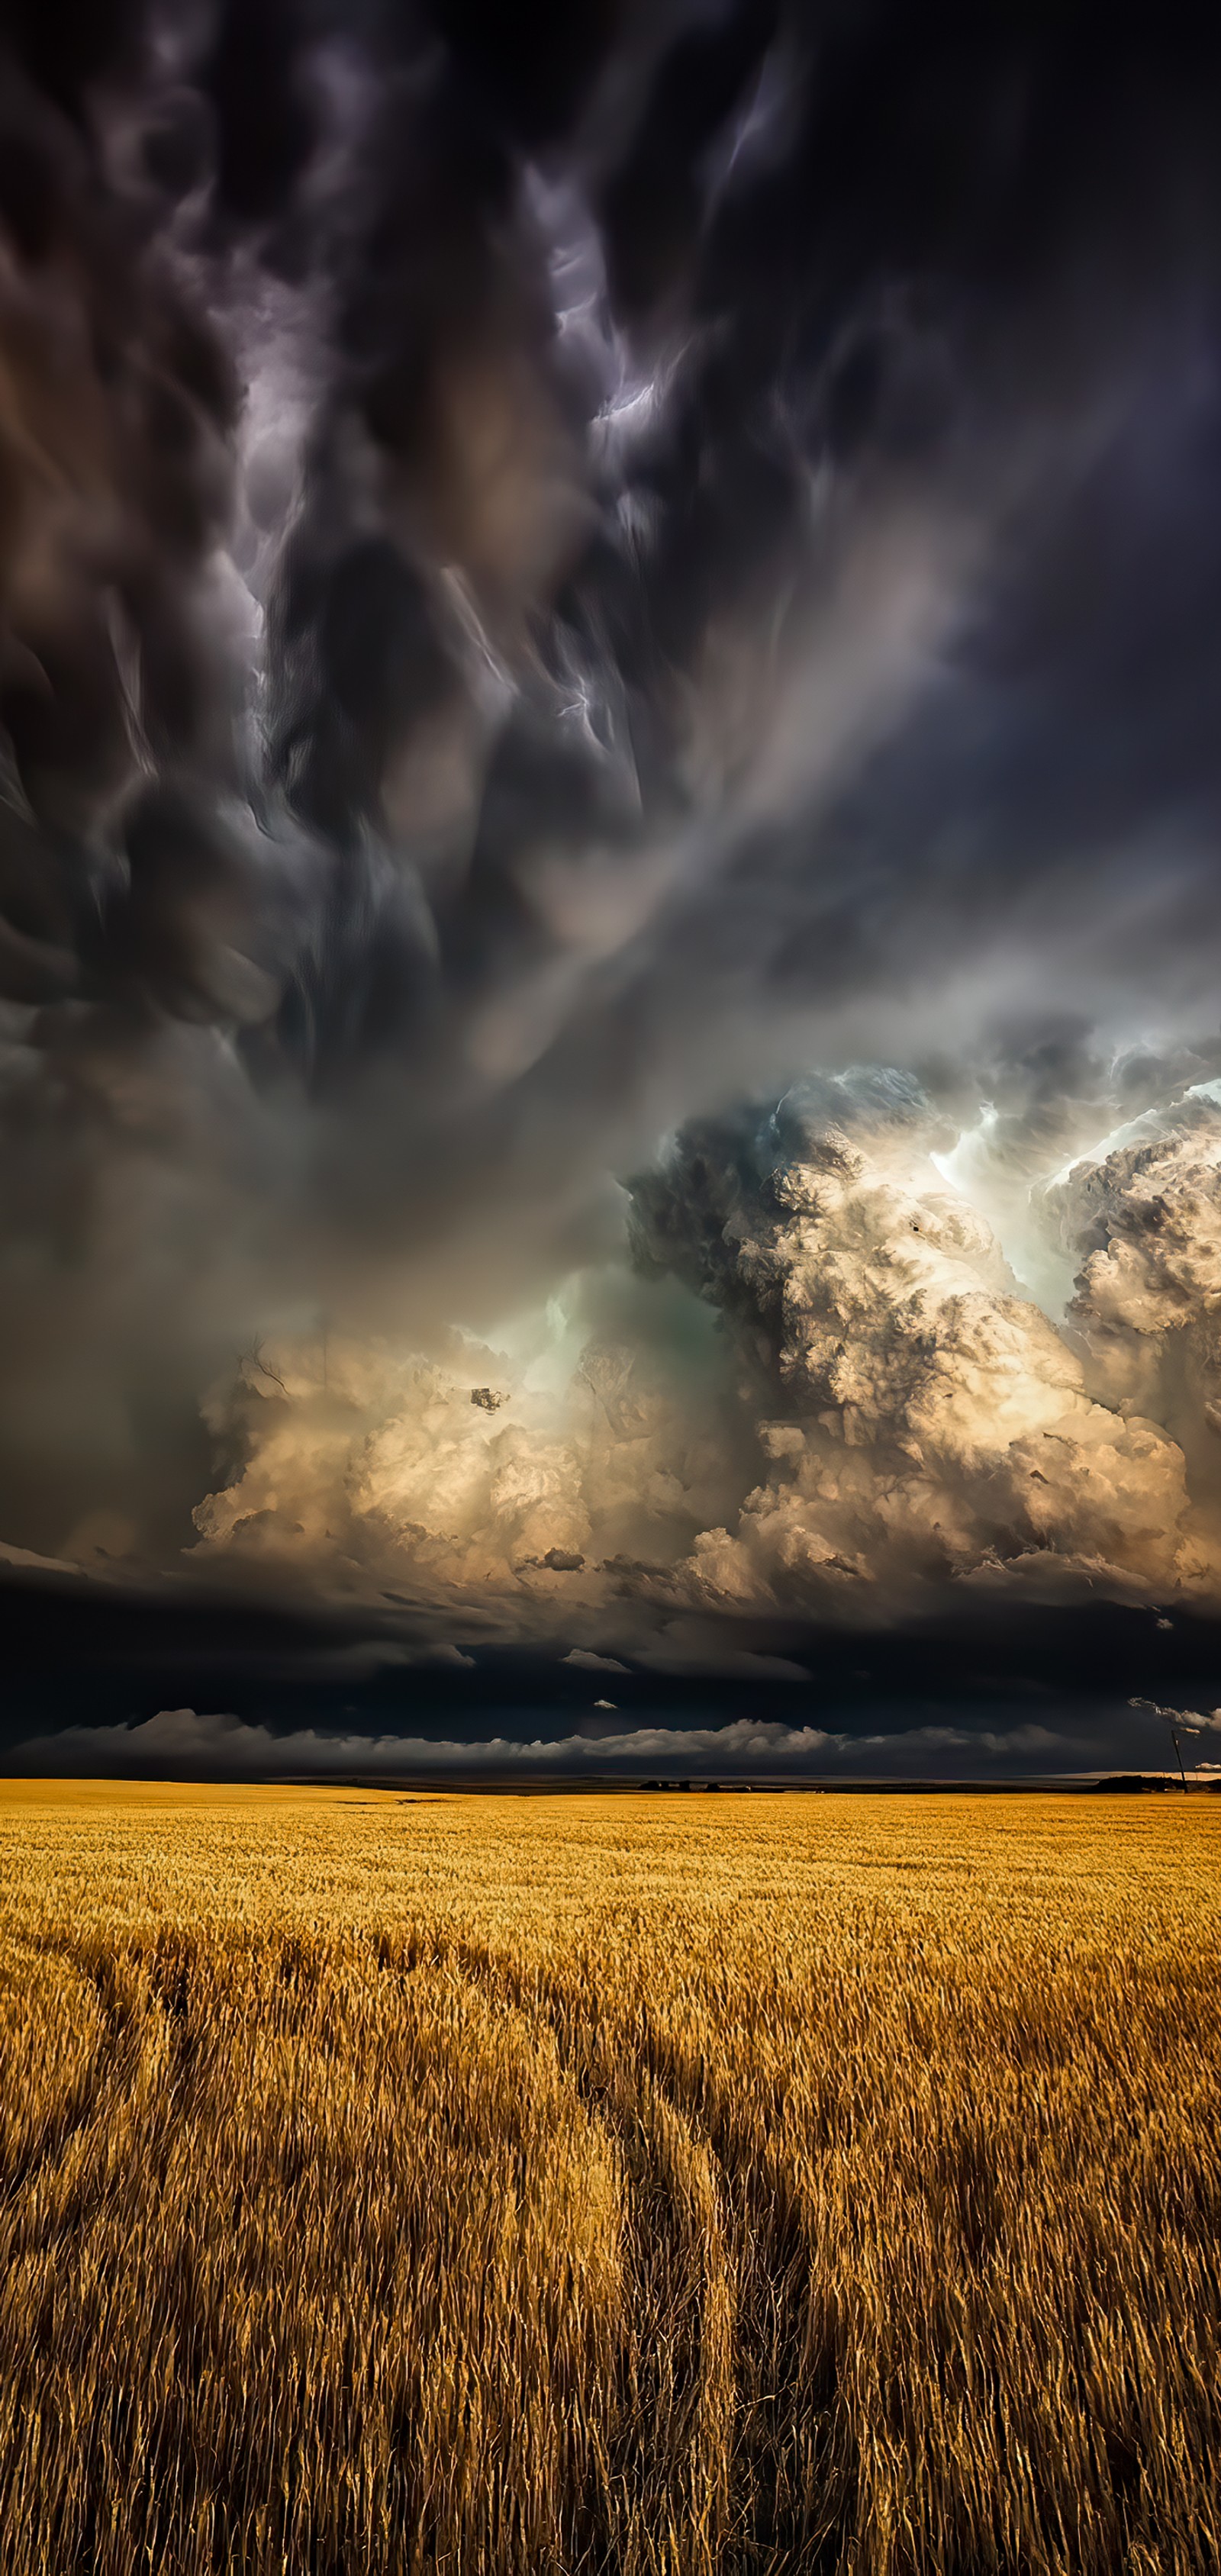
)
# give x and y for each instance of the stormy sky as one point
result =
(610, 1051)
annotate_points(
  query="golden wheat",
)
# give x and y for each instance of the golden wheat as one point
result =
(515, 2187)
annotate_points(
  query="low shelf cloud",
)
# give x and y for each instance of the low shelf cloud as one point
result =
(178, 1743)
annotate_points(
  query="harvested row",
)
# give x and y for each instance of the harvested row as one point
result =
(553, 2187)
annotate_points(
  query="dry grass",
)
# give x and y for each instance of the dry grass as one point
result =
(507, 2185)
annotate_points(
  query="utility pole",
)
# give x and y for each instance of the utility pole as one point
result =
(1173, 1717)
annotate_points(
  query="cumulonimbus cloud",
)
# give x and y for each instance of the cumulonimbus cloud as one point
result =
(851, 1366)
(545, 588)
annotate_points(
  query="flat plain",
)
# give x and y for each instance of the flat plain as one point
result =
(561, 2185)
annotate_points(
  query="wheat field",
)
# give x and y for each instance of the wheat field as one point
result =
(404, 2183)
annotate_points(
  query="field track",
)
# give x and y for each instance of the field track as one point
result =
(567, 2185)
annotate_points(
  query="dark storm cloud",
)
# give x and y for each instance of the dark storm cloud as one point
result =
(545, 578)
(109, 1678)
(183, 1743)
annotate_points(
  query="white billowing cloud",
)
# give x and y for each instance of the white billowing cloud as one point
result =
(586, 1662)
(534, 1471)
(881, 1408)
(1147, 1222)
(928, 1420)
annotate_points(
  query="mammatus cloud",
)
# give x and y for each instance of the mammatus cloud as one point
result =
(546, 586)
